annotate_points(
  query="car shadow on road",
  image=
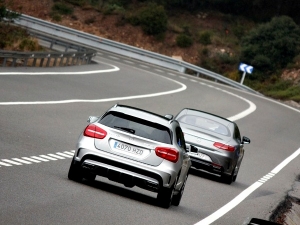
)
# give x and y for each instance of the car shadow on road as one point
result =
(205, 175)
(120, 190)
(216, 178)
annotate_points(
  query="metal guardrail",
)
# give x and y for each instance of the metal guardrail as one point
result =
(95, 42)
(47, 59)
(71, 55)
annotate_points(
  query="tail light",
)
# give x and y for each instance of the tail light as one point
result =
(224, 147)
(169, 154)
(94, 131)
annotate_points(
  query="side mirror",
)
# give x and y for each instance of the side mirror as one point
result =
(92, 119)
(246, 140)
(169, 116)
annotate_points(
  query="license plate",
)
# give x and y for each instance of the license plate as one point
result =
(128, 148)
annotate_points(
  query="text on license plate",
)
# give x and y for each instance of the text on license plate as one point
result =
(128, 148)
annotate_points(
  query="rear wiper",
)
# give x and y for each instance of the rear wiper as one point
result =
(126, 129)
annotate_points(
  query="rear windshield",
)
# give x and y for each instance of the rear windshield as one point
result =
(137, 126)
(205, 123)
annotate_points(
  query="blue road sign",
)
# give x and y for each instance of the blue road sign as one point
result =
(246, 68)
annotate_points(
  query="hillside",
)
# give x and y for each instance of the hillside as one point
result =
(221, 55)
(114, 28)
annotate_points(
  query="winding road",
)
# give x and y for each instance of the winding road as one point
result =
(43, 110)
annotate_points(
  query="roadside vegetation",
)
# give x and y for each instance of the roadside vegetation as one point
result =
(13, 38)
(263, 34)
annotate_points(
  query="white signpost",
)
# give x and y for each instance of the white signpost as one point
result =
(246, 69)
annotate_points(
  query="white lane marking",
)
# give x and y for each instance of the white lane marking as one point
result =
(251, 109)
(65, 155)
(47, 157)
(69, 153)
(11, 162)
(182, 88)
(158, 70)
(21, 161)
(4, 164)
(114, 69)
(31, 160)
(184, 78)
(37, 159)
(56, 156)
(244, 194)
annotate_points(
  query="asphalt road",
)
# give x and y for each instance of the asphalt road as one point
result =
(41, 116)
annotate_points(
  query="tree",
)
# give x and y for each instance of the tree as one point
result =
(272, 45)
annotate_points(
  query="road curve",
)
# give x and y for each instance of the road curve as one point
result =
(38, 138)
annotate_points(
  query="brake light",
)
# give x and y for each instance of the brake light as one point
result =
(94, 131)
(169, 154)
(224, 147)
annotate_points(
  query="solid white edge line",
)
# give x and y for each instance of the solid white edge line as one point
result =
(182, 88)
(239, 198)
(251, 109)
(60, 73)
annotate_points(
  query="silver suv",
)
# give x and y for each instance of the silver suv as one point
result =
(136, 148)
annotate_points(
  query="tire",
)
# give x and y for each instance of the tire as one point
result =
(177, 198)
(234, 176)
(227, 179)
(165, 195)
(75, 172)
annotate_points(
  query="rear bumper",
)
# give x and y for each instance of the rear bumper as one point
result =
(123, 173)
(207, 166)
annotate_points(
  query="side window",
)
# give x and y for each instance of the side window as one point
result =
(180, 138)
(237, 134)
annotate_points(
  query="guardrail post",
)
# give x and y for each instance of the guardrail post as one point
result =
(42, 62)
(61, 60)
(14, 62)
(34, 62)
(48, 61)
(67, 62)
(4, 61)
(25, 62)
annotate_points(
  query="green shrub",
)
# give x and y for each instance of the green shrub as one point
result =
(62, 8)
(77, 2)
(204, 52)
(184, 41)
(56, 16)
(112, 8)
(153, 19)
(28, 44)
(272, 45)
(205, 38)
(225, 58)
